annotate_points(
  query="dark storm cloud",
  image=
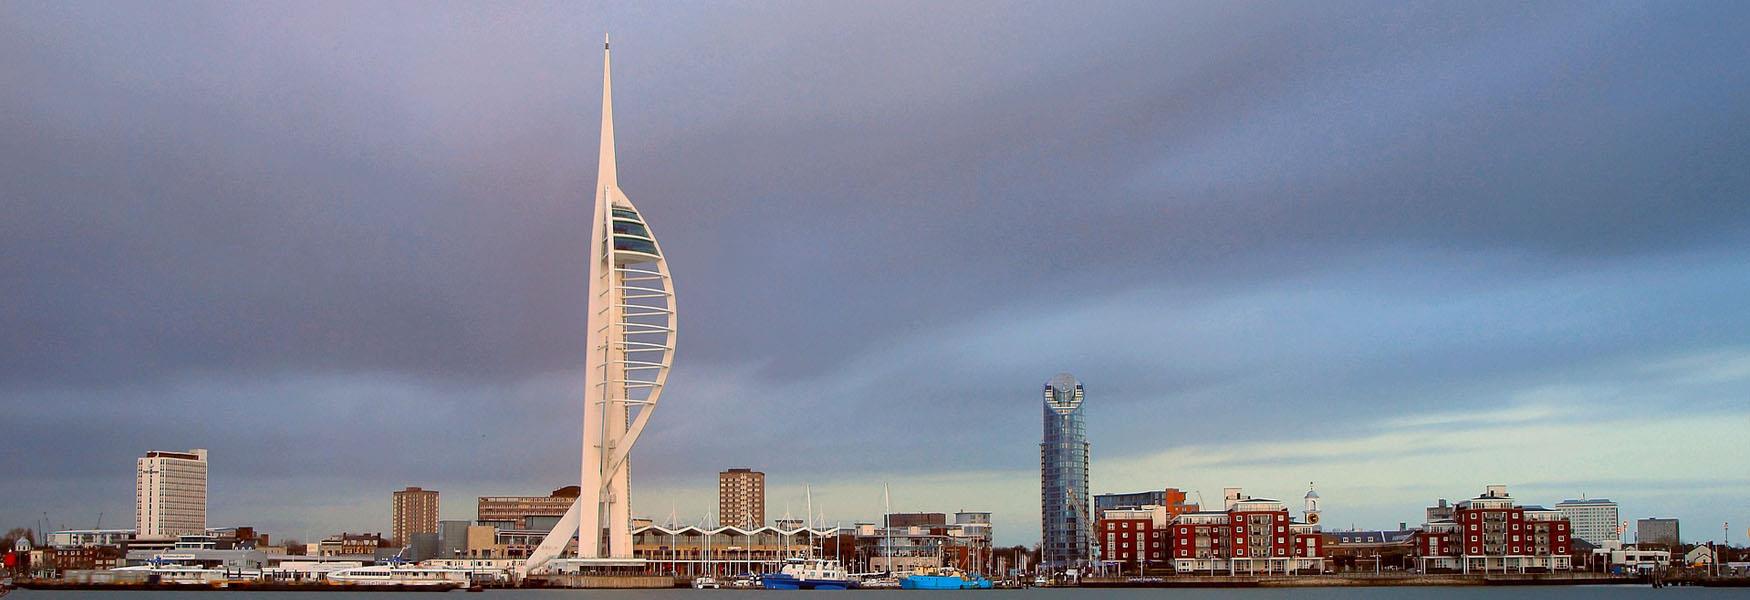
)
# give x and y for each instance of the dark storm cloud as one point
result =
(339, 226)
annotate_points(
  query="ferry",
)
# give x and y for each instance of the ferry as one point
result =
(809, 574)
(943, 579)
(401, 576)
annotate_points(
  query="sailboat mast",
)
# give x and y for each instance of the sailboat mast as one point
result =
(808, 497)
(887, 524)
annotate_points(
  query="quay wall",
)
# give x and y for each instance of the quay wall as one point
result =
(609, 582)
(1359, 580)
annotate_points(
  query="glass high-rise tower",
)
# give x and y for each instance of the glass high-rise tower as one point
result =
(1063, 476)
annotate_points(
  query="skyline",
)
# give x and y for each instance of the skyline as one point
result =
(353, 232)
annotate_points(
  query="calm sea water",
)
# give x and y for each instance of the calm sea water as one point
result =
(1454, 593)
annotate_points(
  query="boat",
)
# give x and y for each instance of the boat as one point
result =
(809, 574)
(878, 582)
(163, 573)
(705, 582)
(401, 576)
(943, 579)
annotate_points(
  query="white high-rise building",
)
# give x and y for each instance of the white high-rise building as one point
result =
(170, 493)
(1593, 520)
(629, 349)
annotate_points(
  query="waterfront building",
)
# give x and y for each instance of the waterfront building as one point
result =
(917, 519)
(1593, 520)
(1633, 560)
(483, 542)
(1105, 502)
(453, 538)
(412, 510)
(1310, 512)
(728, 551)
(1173, 499)
(973, 548)
(1489, 533)
(1659, 532)
(1065, 512)
(1252, 536)
(1441, 511)
(523, 512)
(1132, 538)
(236, 538)
(972, 525)
(904, 549)
(741, 498)
(421, 546)
(170, 493)
(1369, 550)
(350, 544)
(631, 329)
(76, 538)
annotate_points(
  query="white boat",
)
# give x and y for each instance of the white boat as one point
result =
(705, 583)
(401, 575)
(879, 582)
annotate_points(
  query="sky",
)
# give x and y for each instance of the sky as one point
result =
(1396, 250)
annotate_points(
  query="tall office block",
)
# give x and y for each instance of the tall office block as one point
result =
(411, 511)
(741, 498)
(170, 493)
(1593, 519)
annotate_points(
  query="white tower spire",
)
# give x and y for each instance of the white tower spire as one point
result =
(629, 348)
(607, 173)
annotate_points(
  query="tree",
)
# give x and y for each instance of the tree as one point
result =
(14, 535)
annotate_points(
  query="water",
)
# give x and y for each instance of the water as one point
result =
(1437, 593)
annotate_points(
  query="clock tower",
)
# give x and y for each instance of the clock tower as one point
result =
(1311, 513)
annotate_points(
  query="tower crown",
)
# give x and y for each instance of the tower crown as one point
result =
(1063, 393)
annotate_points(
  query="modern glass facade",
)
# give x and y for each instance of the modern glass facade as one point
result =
(1063, 476)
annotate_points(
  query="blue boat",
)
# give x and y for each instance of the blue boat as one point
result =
(944, 579)
(809, 574)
